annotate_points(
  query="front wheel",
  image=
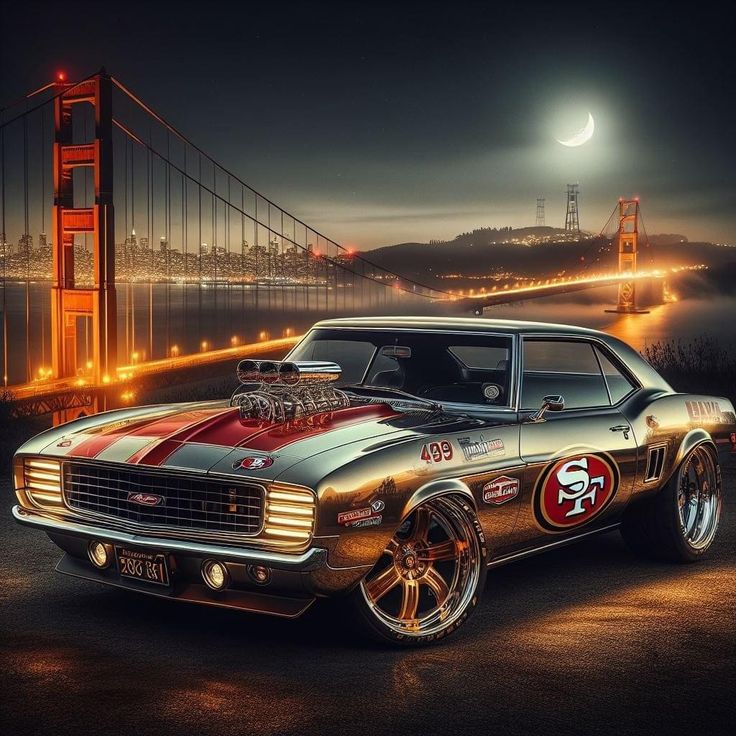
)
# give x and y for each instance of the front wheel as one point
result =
(680, 522)
(429, 578)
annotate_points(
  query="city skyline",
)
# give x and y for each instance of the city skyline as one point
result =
(440, 121)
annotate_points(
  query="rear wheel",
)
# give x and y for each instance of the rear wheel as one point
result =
(680, 522)
(429, 577)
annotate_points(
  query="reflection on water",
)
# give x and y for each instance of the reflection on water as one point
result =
(684, 319)
(159, 320)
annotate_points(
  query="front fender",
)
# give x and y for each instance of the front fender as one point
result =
(440, 487)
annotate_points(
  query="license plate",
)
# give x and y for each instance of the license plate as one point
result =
(150, 567)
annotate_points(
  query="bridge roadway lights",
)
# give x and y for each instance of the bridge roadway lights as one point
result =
(624, 310)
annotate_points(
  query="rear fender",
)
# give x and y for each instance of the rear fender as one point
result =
(692, 439)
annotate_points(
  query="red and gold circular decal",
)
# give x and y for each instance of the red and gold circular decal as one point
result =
(574, 490)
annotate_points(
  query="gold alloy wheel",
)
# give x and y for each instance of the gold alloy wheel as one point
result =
(699, 498)
(428, 573)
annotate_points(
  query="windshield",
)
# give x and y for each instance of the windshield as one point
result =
(439, 366)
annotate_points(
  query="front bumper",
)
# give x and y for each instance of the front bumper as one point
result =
(296, 579)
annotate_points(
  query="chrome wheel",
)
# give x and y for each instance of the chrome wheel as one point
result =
(698, 498)
(428, 573)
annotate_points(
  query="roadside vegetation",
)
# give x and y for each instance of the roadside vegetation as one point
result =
(701, 365)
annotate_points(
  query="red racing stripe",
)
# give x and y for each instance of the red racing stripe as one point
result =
(109, 435)
(283, 435)
(191, 424)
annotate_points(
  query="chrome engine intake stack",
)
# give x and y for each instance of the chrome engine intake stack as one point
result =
(279, 391)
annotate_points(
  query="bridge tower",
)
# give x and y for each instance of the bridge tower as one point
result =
(70, 304)
(628, 250)
(540, 212)
(572, 220)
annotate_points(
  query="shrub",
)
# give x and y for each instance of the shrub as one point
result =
(701, 365)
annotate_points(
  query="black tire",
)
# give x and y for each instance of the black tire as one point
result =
(439, 547)
(663, 527)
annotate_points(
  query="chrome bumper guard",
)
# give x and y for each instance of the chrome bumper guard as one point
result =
(312, 559)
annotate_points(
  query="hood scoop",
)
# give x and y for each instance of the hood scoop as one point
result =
(281, 391)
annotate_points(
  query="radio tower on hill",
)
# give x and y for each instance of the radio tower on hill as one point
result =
(572, 221)
(540, 212)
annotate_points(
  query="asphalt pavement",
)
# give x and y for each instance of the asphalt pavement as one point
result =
(584, 640)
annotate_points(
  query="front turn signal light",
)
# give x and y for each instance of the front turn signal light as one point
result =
(40, 479)
(289, 515)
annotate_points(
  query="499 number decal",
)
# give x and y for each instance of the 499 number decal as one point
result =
(437, 452)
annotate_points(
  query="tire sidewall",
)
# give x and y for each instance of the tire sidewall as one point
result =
(668, 503)
(378, 630)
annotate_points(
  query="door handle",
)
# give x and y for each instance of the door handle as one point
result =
(625, 428)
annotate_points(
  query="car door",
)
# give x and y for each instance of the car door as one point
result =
(580, 462)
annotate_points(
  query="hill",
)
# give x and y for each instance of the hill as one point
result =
(530, 253)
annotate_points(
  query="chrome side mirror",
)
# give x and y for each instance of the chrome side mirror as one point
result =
(554, 402)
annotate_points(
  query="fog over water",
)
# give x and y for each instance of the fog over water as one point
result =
(183, 317)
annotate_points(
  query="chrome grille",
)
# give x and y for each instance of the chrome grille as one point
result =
(192, 503)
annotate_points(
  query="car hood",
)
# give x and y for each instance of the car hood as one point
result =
(212, 437)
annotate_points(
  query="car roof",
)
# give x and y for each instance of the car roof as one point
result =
(475, 324)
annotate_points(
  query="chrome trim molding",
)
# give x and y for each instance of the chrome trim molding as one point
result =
(312, 559)
(498, 561)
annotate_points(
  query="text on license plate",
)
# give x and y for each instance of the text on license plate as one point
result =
(148, 566)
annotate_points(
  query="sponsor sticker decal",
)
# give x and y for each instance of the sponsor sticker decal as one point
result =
(500, 490)
(368, 516)
(437, 452)
(473, 449)
(146, 499)
(574, 490)
(254, 462)
(704, 411)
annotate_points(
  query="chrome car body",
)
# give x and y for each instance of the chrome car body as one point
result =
(301, 505)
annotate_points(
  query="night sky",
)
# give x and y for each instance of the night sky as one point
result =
(382, 123)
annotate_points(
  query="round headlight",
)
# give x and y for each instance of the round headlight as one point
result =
(215, 575)
(98, 554)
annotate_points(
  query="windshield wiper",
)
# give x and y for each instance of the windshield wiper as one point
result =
(433, 405)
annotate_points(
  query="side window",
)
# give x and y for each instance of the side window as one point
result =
(566, 367)
(618, 384)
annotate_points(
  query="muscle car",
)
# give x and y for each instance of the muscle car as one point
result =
(388, 462)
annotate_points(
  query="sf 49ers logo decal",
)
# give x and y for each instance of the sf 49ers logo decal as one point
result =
(574, 490)
(436, 452)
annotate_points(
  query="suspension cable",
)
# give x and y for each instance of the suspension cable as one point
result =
(215, 163)
(212, 193)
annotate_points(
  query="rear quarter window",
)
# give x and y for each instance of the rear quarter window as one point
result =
(566, 367)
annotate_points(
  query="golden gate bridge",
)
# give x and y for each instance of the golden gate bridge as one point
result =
(98, 165)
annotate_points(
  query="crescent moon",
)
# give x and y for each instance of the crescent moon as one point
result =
(582, 136)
